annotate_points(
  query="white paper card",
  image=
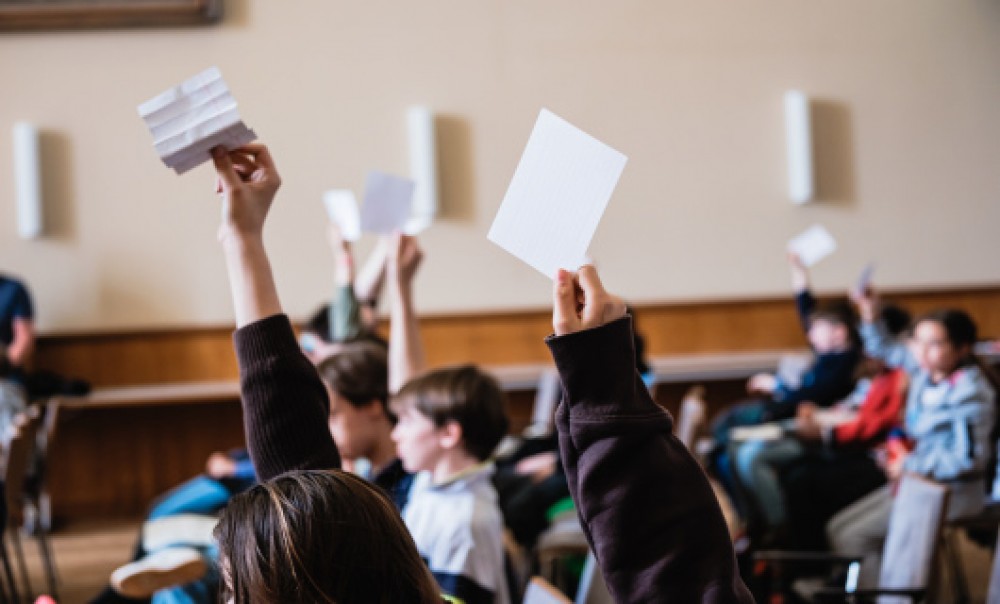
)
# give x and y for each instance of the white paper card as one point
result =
(813, 245)
(188, 120)
(387, 203)
(342, 208)
(762, 432)
(557, 196)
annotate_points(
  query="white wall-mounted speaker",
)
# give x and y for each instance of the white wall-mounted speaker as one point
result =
(423, 167)
(28, 180)
(798, 137)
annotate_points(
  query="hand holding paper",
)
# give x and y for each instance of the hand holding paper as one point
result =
(813, 245)
(189, 120)
(557, 196)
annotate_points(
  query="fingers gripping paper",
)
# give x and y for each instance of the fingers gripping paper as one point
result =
(188, 120)
(557, 196)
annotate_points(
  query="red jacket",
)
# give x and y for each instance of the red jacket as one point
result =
(881, 411)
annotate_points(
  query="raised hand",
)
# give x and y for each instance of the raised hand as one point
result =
(579, 302)
(247, 181)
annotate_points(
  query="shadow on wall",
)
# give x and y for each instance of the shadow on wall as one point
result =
(833, 149)
(236, 12)
(57, 188)
(455, 166)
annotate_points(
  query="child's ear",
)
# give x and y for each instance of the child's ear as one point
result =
(450, 435)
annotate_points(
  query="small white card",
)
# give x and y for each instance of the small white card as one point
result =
(342, 208)
(188, 120)
(387, 203)
(558, 194)
(813, 245)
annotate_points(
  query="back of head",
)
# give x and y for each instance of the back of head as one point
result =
(319, 536)
(895, 318)
(465, 395)
(358, 372)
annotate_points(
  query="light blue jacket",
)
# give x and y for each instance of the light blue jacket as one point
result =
(952, 437)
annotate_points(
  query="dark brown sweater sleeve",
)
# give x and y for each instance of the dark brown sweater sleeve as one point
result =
(285, 405)
(647, 508)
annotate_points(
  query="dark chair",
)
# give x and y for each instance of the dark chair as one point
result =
(20, 453)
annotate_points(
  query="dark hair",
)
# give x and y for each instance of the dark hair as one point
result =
(359, 372)
(638, 344)
(319, 323)
(958, 325)
(895, 318)
(464, 395)
(319, 536)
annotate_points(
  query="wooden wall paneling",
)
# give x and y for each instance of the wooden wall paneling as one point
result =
(112, 462)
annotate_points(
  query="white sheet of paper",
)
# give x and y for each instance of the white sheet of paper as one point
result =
(189, 119)
(558, 194)
(342, 208)
(387, 203)
(813, 245)
(763, 432)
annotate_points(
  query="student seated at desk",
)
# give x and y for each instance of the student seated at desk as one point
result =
(831, 377)
(646, 504)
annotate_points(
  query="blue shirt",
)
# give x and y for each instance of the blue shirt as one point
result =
(15, 303)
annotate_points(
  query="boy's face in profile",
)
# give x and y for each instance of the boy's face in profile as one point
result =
(827, 336)
(417, 439)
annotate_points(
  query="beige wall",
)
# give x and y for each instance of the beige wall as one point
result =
(907, 97)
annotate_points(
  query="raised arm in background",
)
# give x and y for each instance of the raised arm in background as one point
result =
(285, 405)
(406, 349)
(645, 504)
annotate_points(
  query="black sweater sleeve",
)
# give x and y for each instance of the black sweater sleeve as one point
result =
(645, 504)
(285, 405)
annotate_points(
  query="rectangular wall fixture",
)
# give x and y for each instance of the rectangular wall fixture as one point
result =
(423, 167)
(798, 136)
(28, 180)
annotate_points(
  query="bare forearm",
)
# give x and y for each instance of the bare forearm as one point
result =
(406, 350)
(21, 349)
(255, 296)
(369, 282)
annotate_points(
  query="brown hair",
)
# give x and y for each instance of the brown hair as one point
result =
(464, 395)
(359, 373)
(319, 537)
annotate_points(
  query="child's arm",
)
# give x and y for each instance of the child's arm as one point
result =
(645, 503)
(285, 405)
(369, 282)
(805, 302)
(406, 349)
(344, 314)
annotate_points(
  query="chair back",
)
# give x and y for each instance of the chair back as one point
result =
(541, 591)
(691, 418)
(993, 595)
(546, 400)
(20, 449)
(911, 544)
(593, 589)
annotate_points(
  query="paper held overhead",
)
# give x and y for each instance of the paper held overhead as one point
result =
(188, 120)
(388, 201)
(813, 245)
(342, 208)
(558, 194)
